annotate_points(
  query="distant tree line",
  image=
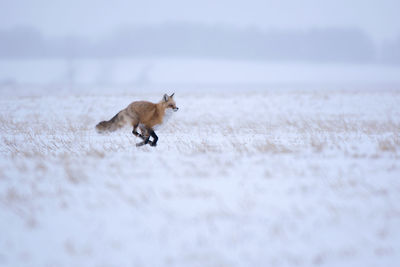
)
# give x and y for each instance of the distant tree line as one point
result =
(201, 41)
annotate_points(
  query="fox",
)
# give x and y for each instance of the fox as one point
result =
(142, 114)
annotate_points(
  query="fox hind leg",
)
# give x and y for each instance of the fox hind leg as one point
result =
(146, 140)
(135, 133)
(150, 132)
(145, 135)
(135, 124)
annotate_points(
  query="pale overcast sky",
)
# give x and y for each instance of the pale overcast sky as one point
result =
(379, 18)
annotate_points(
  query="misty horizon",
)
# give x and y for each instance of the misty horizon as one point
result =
(199, 40)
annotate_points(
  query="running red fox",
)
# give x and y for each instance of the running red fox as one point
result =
(142, 114)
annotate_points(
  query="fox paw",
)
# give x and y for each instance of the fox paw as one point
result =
(152, 144)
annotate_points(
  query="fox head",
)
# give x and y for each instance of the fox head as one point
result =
(169, 102)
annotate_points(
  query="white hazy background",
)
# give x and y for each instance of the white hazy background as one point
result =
(147, 44)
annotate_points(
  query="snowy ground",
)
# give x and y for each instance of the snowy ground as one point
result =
(269, 178)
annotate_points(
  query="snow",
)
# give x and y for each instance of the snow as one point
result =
(239, 178)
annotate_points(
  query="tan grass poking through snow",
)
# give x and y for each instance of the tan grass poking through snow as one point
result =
(231, 173)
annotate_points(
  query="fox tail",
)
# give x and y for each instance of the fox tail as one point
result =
(115, 123)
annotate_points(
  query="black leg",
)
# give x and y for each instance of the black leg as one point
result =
(147, 140)
(144, 135)
(138, 135)
(155, 138)
(135, 133)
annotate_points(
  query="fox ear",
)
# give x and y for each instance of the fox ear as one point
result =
(172, 95)
(166, 97)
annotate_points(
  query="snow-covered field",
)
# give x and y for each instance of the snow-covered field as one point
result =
(262, 178)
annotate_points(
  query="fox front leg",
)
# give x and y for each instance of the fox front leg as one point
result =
(155, 138)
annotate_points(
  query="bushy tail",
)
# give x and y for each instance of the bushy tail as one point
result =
(111, 125)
